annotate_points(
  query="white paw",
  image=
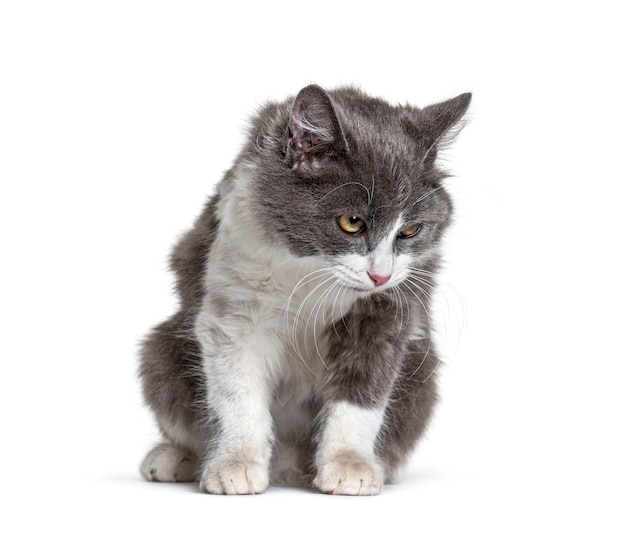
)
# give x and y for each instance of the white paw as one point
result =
(167, 463)
(234, 477)
(350, 475)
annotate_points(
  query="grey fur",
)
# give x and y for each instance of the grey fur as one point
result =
(314, 156)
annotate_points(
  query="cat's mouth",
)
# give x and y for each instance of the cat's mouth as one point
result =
(365, 276)
(366, 284)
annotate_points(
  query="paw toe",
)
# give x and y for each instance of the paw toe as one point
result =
(234, 477)
(350, 476)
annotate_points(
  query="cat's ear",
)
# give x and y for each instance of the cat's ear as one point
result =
(439, 124)
(314, 136)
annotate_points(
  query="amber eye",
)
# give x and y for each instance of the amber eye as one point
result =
(352, 224)
(410, 231)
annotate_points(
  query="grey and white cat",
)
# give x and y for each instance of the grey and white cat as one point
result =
(302, 350)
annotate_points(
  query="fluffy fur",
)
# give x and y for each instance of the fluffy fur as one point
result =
(302, 350)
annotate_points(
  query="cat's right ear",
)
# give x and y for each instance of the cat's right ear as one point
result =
(314, 136)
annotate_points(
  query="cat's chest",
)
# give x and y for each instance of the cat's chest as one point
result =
(295, 293)
(310, 305)
(278, 296)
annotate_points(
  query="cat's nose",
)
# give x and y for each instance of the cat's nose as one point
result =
(379, 280)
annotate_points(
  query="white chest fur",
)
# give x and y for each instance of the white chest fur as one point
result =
(282, 305)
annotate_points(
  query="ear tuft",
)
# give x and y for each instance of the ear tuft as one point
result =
(313, 134)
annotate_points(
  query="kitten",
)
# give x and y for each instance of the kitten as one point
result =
(302, 351)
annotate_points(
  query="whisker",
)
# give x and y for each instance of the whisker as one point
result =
(456, 307)
(427, 194)
(293, 338)
(397, 297)
(429, 326)
(302, 282)
(342, 289)
(316, 308)
(431, 373)
(369, 195)
(413, 281)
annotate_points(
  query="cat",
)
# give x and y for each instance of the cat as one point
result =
(302, 352)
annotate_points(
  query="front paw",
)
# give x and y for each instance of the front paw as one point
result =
(350, 475)
(234, 476)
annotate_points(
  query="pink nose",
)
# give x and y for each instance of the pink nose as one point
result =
(379, 280)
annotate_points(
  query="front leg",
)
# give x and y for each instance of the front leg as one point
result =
(345, 458)
(238, 459)
(363, 363)
(238, 398)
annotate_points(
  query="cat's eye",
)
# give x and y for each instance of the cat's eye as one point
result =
(411, 231)
(352, 224)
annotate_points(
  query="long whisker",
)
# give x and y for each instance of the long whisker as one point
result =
(318, 305)
(308, 278)
(431, 373)
(342, 289)
(408, 287)
(397, 297)
(415, 282)
(325, 276)
(296, 320)
(456, 307)
(423, 276)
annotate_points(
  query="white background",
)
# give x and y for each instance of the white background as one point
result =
(116, 120)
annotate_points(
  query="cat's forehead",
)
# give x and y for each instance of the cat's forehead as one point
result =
(387, 160)
(383, 177)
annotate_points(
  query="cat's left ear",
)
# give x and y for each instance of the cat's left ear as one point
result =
(439, 123)
(314, 136)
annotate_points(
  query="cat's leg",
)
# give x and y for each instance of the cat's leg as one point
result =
(174, 389)
(362, 364)
(411, 406)
(362, 446)
(239, 392)
(346, 460)
(239, 457)
(377, 400)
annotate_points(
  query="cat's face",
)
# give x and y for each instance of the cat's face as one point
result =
(358, 185)
(375, 228)
(379, 248)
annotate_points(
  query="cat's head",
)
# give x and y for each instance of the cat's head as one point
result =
(355, 180)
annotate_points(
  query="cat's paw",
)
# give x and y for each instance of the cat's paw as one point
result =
(167, 463)
(350, 475)
(234, 477)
